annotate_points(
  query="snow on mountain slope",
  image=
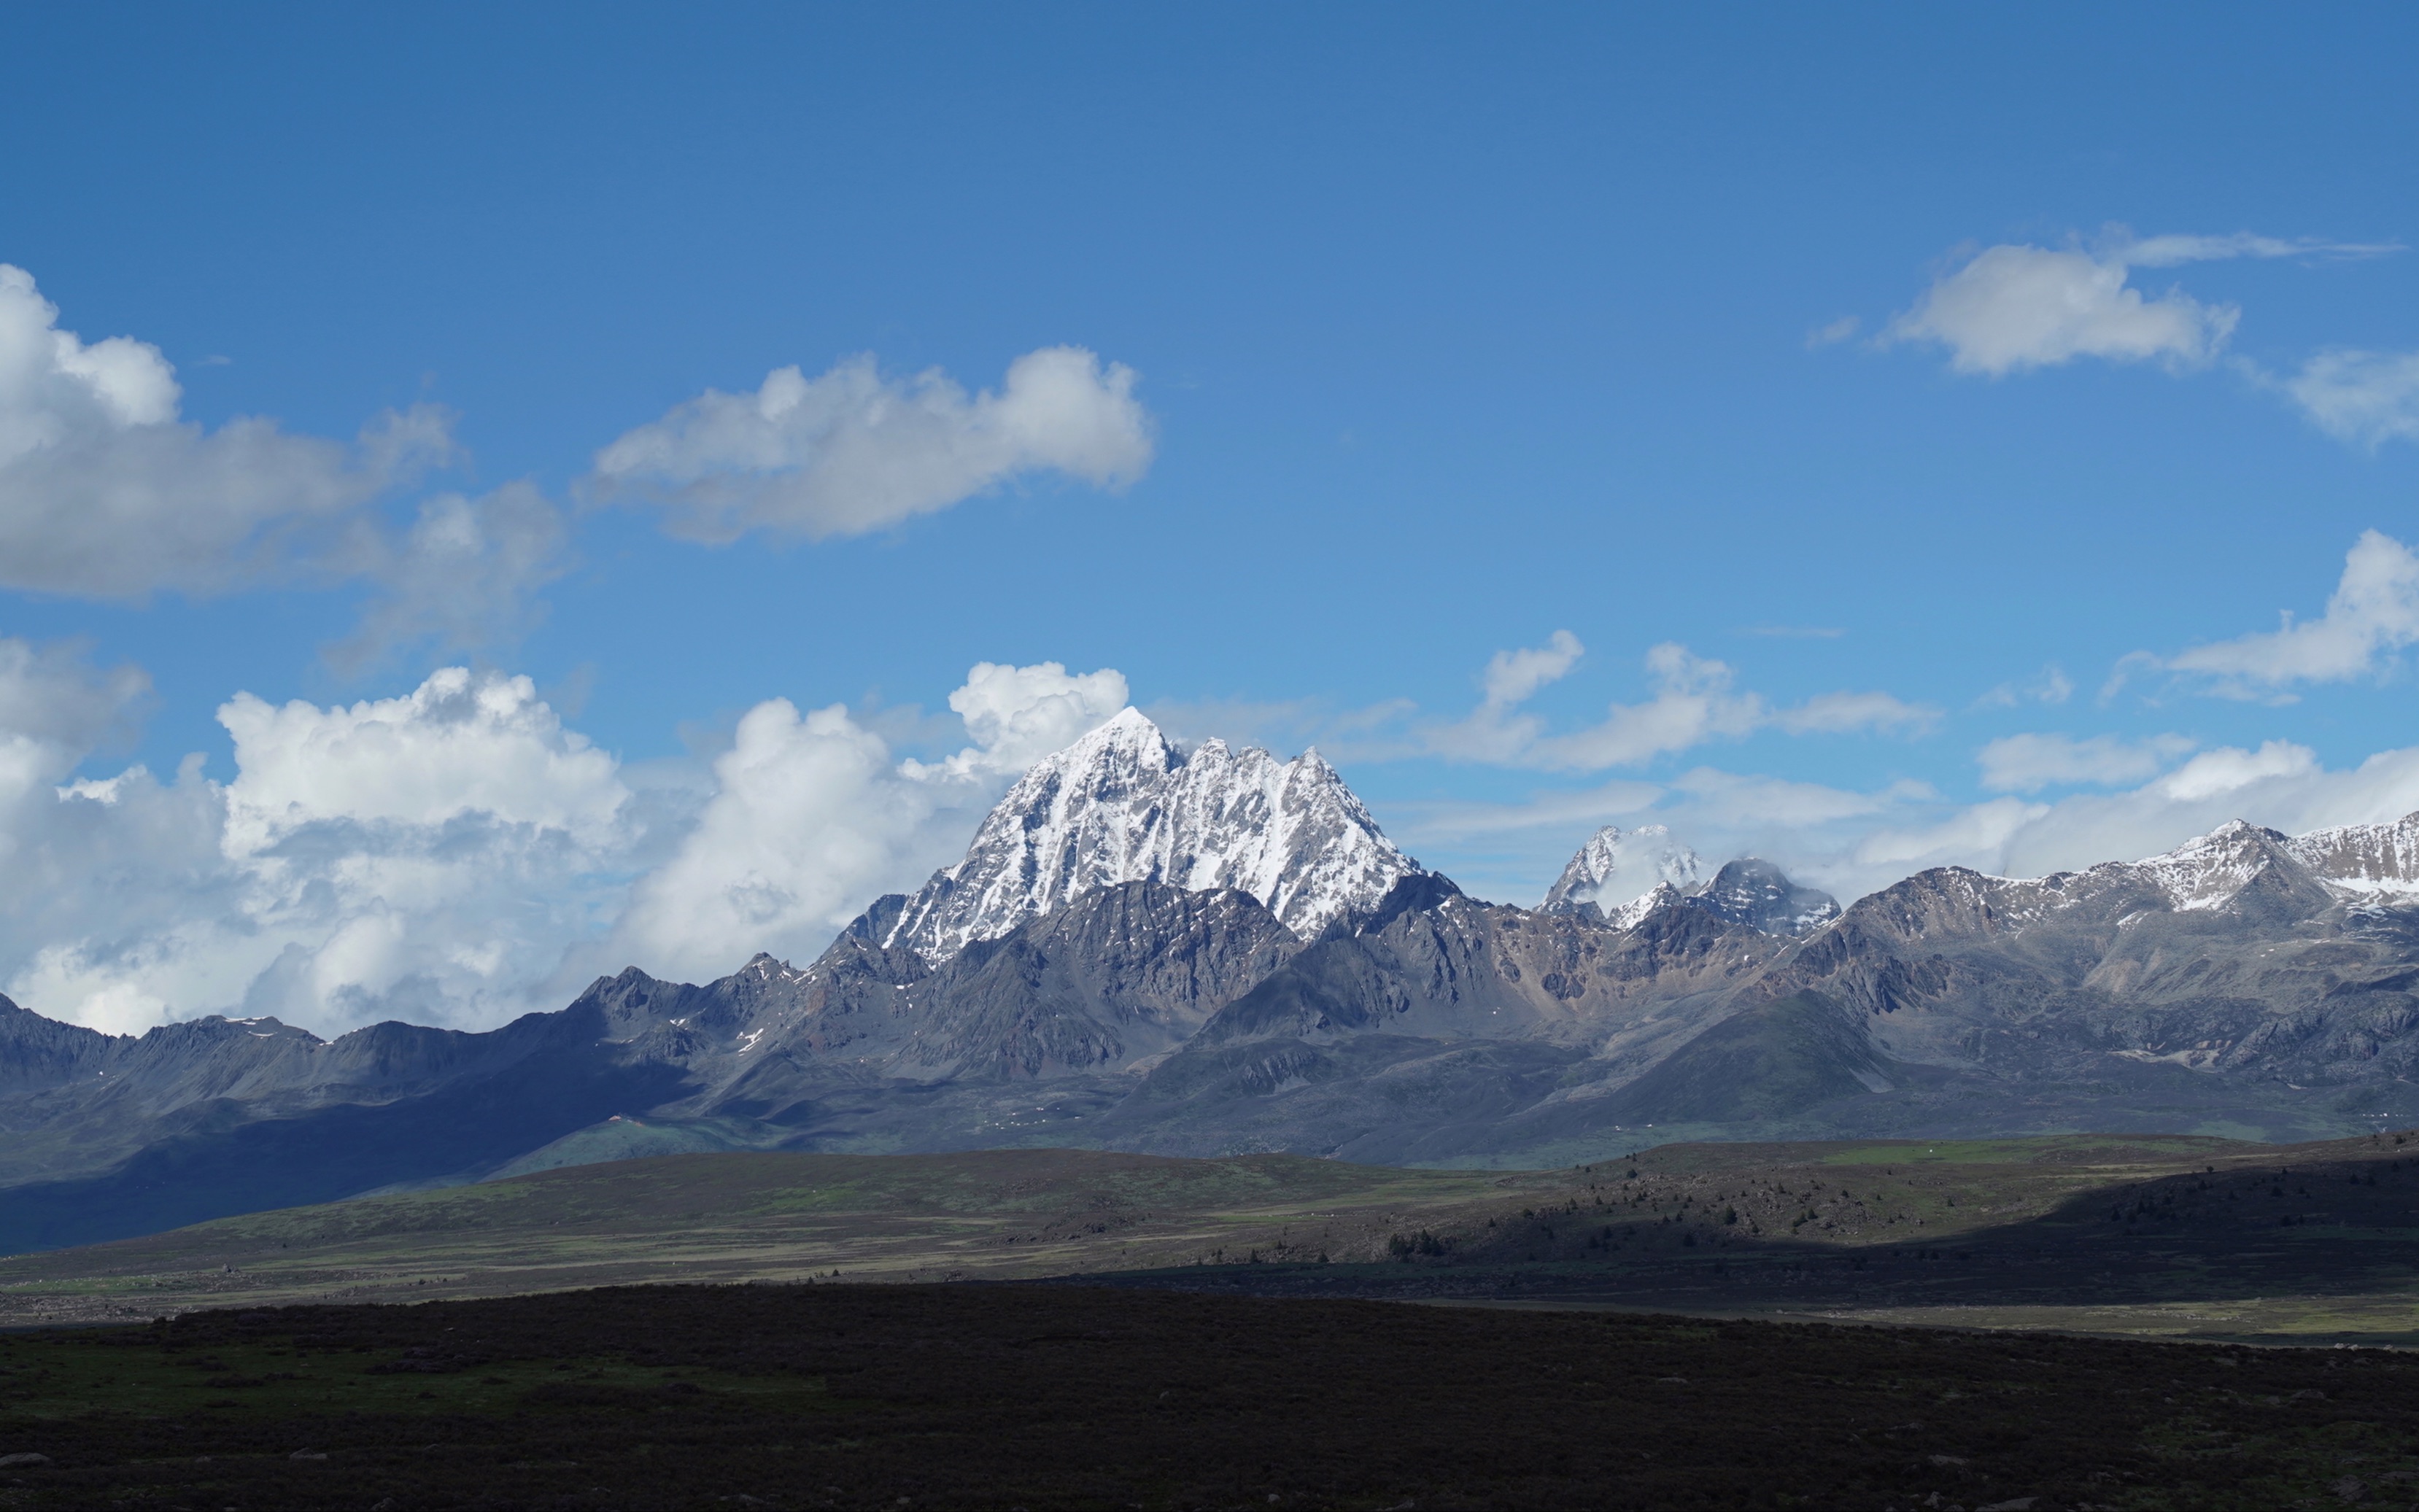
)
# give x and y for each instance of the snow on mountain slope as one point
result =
(2213, 870)
(2379, 861)
(1616, 866)
(1122, 805)
(2377, 864)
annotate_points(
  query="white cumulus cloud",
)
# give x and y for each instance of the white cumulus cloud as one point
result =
(852, 451)
(456, 854)
(460, 745)
(106, 493)
(2016, 307)
(430, 857)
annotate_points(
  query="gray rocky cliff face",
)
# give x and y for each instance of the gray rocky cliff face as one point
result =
(2230, 955)
(1456, 968)
(1119, 975)
(37, 1054)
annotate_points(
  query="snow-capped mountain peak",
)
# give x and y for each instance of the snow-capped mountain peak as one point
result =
(1634, 913)
(1122, 804)
(1616, 866)
(2209, 870)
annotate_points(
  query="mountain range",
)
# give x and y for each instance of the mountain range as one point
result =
(1210, 952)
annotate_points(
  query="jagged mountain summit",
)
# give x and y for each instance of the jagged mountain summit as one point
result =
(1124, 805)
(2230, 867)
(1747, 892)
(1756, 893)
(1617, 865)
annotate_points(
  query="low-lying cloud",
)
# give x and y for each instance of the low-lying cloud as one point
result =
(456, 854)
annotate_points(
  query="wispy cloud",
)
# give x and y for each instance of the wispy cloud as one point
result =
(2015, 307)
(2366, 398)
(107, 492)
(2175, 251)
(2029, 763)
(1694, 702)
(2050, 685)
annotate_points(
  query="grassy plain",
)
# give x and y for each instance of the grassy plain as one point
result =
(2166, 1236)
(752, 1216)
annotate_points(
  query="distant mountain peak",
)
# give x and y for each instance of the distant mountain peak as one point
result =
(1612, 866)
(1123, 804)
(1615, 866)
(2211, 870)
(1760, 895)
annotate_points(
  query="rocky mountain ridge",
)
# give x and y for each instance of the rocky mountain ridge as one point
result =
(1194, 954)
(1124, 805)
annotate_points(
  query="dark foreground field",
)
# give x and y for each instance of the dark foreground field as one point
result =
(1012, 1395)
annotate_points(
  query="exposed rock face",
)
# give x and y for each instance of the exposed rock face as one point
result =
(2230, 954)
(1119, 975)
(1122, 805)
(2375, 862)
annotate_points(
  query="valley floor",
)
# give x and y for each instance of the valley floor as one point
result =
(2136, 1236)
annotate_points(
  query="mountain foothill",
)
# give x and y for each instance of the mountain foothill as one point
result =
(1210, 952)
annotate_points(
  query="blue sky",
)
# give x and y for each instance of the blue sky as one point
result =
(1919, 370)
